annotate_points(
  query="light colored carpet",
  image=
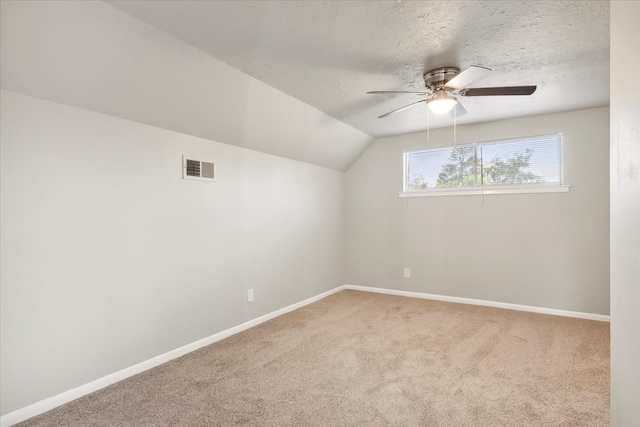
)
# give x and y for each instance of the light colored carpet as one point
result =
(363, 359)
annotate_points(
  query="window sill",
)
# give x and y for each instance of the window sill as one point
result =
(486, 191)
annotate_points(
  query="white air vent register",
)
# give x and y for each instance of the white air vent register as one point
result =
(197, 170)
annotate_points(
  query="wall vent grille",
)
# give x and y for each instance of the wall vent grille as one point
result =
(197, 170)
(207, 170)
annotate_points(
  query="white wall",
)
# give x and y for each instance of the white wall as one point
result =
(625, 214)
(546, 250)
(92, 55)
(110, 258)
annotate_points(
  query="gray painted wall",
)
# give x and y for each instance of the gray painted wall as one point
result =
(110, 258)
(546, 250)
(625, 214)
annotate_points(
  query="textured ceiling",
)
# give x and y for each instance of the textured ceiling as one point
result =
(328, 54)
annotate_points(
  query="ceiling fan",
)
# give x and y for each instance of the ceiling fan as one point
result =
(445, 83)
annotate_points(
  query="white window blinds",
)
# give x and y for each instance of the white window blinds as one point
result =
(523, 161)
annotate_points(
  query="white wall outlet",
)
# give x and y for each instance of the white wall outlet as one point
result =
(407, 273)
(250, 295)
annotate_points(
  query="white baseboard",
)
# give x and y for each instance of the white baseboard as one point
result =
(505, 305)
(75, 393)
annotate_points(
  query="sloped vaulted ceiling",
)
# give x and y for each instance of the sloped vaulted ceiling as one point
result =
(329, 53)
(289, 78)
(90, 55)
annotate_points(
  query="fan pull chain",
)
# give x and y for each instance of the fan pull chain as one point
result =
(428, 128)
(454, 127)
(482, 176)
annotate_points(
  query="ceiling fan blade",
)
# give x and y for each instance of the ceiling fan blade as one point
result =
(459, 110)
(467, 76)
(401, 108)
(498, 91)
(379, 92)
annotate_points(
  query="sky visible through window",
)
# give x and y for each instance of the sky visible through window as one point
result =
(511, 162)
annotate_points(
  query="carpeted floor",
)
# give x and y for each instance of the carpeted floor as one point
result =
(364, 359)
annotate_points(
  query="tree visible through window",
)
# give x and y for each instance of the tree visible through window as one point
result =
(524, 161)
(459, 171)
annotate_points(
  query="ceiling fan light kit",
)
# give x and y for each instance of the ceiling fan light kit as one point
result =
(445, 83)
(441, 103)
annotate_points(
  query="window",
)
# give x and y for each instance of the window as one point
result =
(516, 165)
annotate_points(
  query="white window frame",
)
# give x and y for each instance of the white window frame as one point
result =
(488, 189)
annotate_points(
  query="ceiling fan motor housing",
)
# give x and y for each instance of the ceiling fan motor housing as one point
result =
(438, 77)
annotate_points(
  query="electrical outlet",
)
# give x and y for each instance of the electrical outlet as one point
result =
(407, 273)
(250, 295)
